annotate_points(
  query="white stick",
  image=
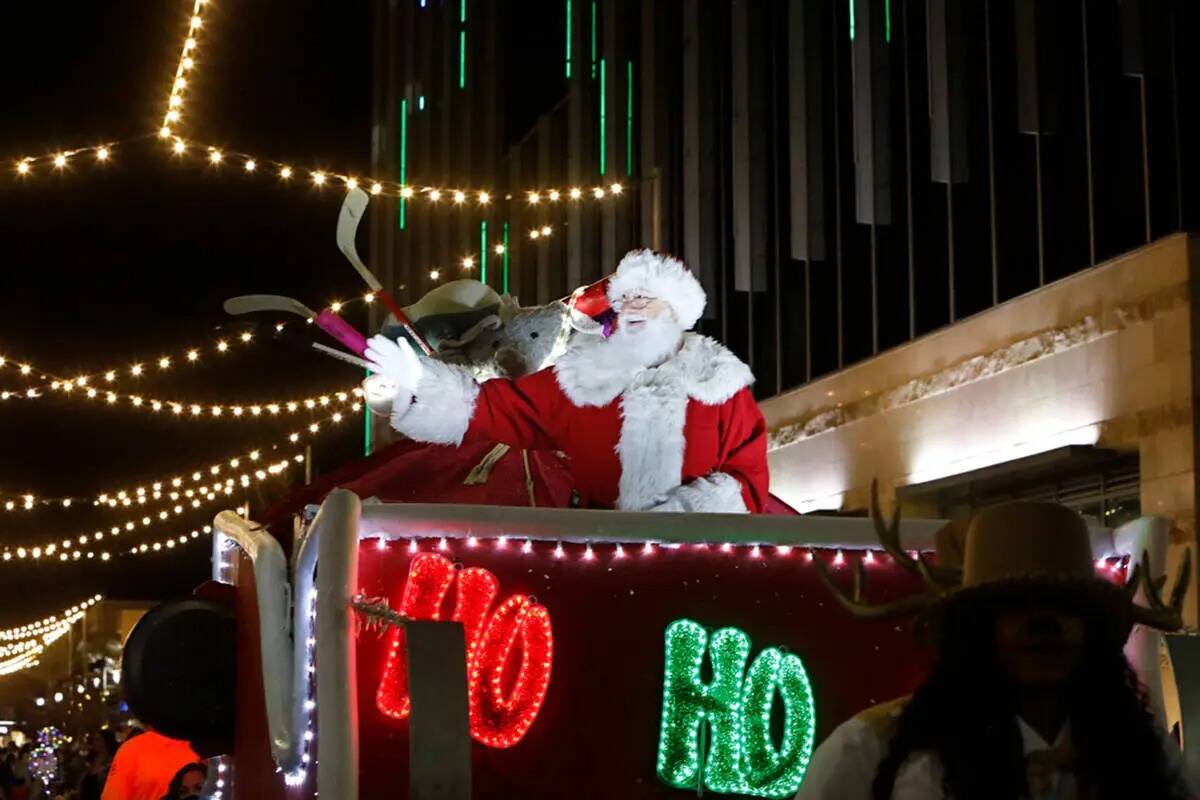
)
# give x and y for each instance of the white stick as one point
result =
(251, 303)
(340, 356)
(353, 208)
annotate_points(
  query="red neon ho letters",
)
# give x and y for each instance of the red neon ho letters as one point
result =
(503, 699)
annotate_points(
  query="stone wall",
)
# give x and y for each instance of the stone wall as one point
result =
(1104, 357)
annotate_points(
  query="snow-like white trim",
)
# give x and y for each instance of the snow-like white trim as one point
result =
(661, 276)
(651, 444)
(703, 369)
(441, 410)
(718, 493)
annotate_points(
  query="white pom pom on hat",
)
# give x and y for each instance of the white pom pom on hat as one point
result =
(661, 276)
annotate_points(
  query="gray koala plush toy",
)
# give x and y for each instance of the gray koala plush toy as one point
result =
(491, 335)
(525, 341)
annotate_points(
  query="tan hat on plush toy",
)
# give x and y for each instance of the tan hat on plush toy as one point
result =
(1014, 549)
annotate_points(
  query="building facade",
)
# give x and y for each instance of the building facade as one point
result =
(949, 237)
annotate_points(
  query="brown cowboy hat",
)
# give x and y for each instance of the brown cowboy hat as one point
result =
(1013, 552)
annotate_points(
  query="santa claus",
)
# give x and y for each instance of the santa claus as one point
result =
(651, 416)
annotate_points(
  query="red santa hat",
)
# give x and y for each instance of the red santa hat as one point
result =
(645, 272)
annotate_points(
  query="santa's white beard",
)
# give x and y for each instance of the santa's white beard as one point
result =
(644, 342)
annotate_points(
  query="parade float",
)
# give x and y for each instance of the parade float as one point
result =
(436, 621)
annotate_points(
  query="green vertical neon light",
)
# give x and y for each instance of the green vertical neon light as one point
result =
(483, 251)
(603, 119)
(852, 20)
(367, 425)
(504, 277)
(462, 11)
(462, 59)
(594, 51)
(887, 20)
(421, 103)
(568, 38)
(403, 157)
(628, 117)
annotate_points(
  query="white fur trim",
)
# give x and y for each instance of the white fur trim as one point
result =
(443, 406)
(703, 370)
(659, 276)
(651, 444)
(718, 493)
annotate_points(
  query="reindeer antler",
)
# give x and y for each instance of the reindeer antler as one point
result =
(857, 604)
(1164, 616)
(938, 579)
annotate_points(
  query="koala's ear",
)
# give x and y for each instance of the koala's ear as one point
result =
(509, 306)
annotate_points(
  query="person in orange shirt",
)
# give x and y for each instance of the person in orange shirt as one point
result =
(145, 765)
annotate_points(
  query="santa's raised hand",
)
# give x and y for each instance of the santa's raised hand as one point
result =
(396, 361)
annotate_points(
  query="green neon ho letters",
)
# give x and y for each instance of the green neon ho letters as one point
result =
(739, 753)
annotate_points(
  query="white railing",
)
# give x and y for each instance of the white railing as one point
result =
(322, 620)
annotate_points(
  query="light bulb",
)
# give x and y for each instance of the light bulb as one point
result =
(102, 154)
(215, 156)
(376, 188)
(179, 147)
(318, 178)
(460, 197)
(60, 160)
(484, 198)
(576, 193)
(468, 262)
(435, 195)
(351, 183)
(499, 249)
(285, 172)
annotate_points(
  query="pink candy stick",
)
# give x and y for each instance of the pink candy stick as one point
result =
(341, 330)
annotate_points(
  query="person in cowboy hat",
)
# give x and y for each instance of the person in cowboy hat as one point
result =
(1030, 695)
(651, 417)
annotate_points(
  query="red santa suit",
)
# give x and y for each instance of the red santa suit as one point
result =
(682, 436)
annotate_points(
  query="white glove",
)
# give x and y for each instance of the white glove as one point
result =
(396, 361)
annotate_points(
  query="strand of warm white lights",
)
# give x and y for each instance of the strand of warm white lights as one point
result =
(158, 486)
(618, 552)
(136, 367)
(451, 197)
(168, 543)
(58, 162)
(218, 491)
(187, 61)
(38, 627)
(34, 647)
(190, 410)
(140, 495)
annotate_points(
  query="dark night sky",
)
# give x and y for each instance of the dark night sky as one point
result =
(134, 259)
(102, 265)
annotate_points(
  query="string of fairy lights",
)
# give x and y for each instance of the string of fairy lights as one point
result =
(69, 549)
(197, 499)
(29, 641)
(157, 491)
